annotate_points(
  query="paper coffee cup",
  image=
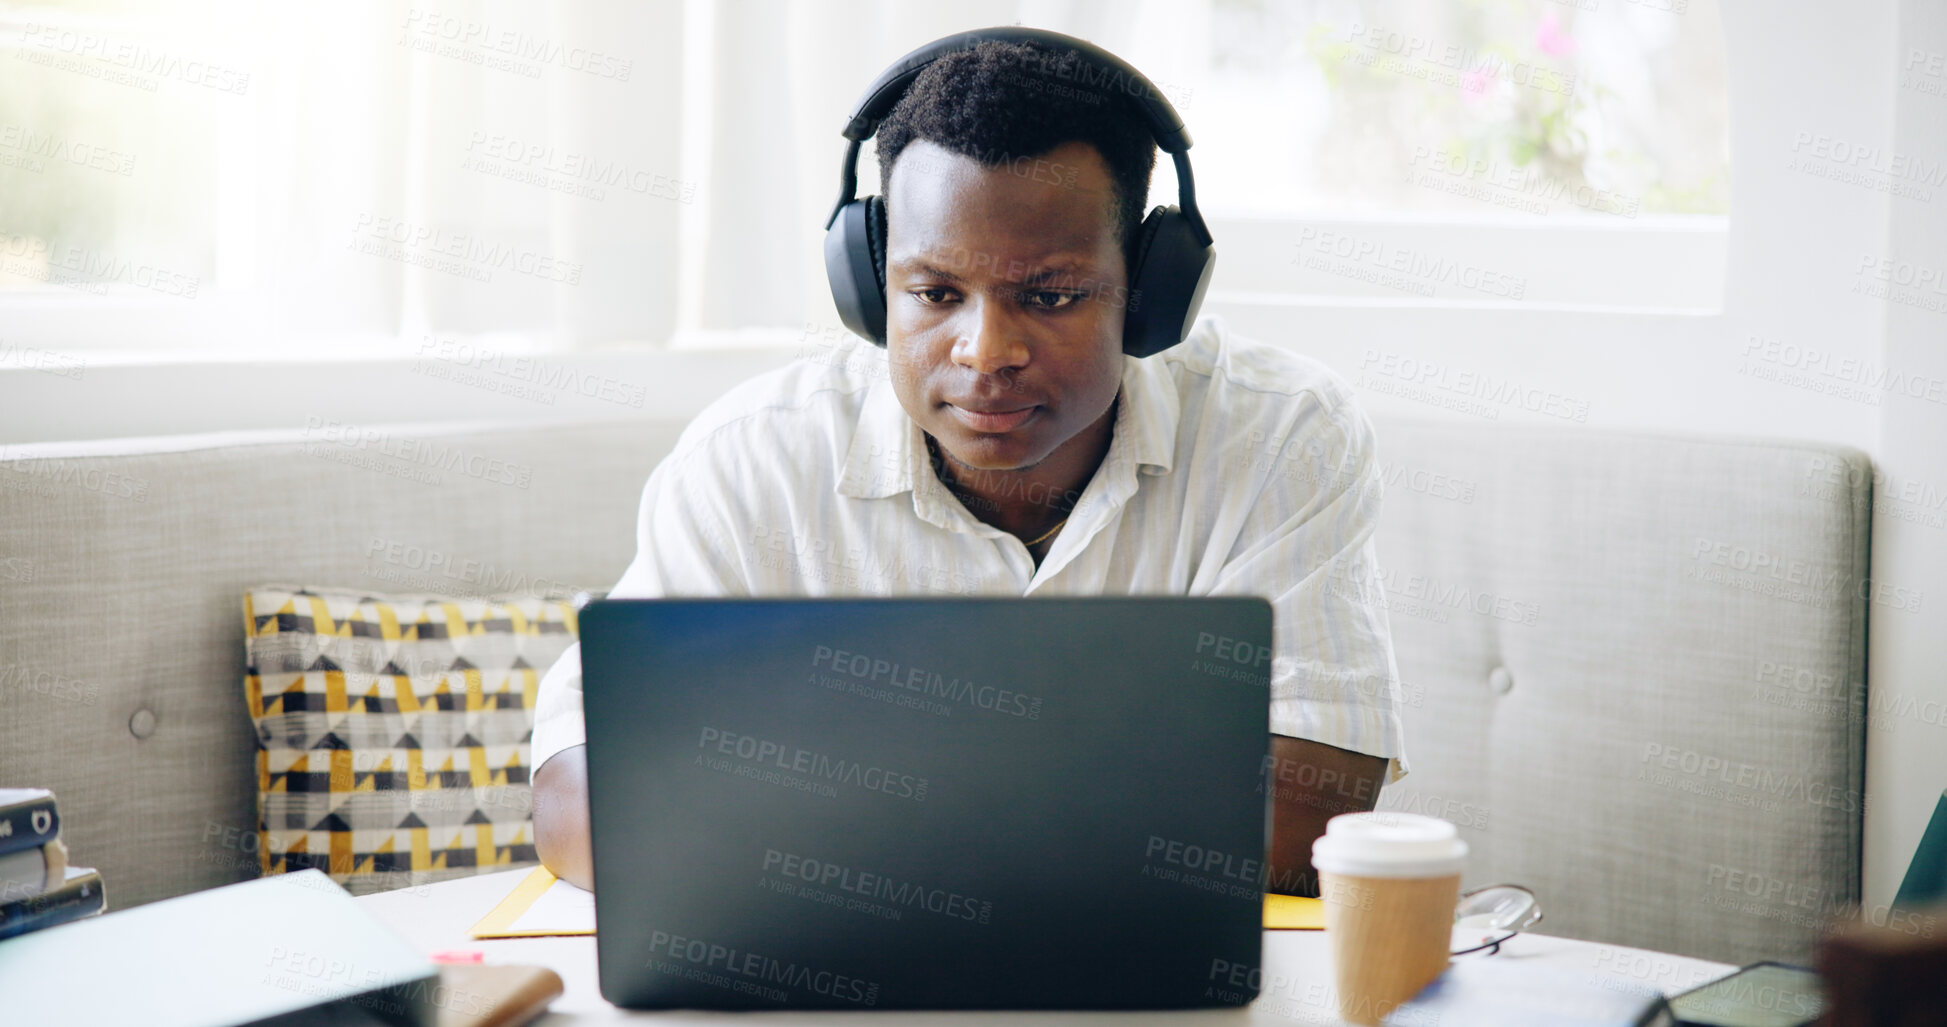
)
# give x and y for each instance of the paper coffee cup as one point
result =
(1389, 882)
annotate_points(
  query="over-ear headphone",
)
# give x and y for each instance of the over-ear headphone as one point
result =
(1174, 253)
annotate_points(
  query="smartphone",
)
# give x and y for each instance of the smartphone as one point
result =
(1760, 995)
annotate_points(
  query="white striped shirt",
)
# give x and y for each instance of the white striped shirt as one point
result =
(1235, 468)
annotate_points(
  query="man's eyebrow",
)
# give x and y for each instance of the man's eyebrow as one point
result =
(927, 269)
(1055, 270)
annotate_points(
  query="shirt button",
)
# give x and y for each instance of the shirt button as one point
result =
(142, 723)
(1500, 680)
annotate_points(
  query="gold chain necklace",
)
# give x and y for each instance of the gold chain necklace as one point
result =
(1051, 531)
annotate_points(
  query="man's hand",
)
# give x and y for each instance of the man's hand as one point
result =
(561, 817)
(1311, 783)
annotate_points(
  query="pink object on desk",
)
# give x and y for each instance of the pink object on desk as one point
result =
(458, 956)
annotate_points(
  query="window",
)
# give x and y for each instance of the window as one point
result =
(304, 181)
(1536, 108)
(277, 180)
(1525, 152)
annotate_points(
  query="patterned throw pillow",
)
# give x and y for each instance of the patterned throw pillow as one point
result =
(393, 731)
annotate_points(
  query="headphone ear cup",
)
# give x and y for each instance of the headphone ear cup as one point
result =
(855, 267)
(1145, 238)
(1166, 283)
(875, 238)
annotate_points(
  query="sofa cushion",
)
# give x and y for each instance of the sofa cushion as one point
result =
(392, 731)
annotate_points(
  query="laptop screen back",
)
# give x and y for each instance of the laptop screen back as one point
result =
(937, 803)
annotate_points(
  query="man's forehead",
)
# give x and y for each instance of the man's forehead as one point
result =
(1060, 166)
(948, 211)
(969, 262)
(1068, 180)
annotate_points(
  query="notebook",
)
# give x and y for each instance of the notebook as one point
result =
(290, 948)
(1505, 992)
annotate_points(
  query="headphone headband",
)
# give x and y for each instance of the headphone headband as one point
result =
(1165, 125)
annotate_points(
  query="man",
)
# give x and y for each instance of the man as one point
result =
(1004, 444)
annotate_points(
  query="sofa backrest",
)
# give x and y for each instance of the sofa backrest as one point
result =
(1633, 663)
(122, 572)
(1635, 674)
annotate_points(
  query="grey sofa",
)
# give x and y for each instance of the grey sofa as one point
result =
(1633, 663)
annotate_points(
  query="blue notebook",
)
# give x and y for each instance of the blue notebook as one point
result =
(291, 948)
(1495, 991)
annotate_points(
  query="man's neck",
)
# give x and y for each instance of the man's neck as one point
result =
(1028, 503)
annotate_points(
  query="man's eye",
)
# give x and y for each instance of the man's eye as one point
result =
(932, 296)
(1049, 300)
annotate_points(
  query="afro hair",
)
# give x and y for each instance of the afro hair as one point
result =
(998, 102)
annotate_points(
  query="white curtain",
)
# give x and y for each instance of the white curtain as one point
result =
(538, 173)
(478, 168)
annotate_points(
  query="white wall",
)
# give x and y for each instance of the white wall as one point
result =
(1906, 765)
(1799, 70)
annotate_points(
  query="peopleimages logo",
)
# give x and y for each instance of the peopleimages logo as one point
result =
(1226, 657)
(755, 970)
(761, 754)
(132, 61)
(1433, 377)
(1417, 271)
(419, 459)
(1203, 860)
(1703, 774)
(531, 370)
(1785, 577)
(927, 682)
(505, 49)
(1351, 582)
(880, 888)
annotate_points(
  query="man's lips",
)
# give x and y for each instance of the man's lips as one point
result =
(993, 421)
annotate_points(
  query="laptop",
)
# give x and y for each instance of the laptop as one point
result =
(927, 803)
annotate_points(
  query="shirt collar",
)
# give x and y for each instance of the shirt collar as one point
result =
(888, 452)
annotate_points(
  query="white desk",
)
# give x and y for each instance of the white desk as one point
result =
(1298, 967)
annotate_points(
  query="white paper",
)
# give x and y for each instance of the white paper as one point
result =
(563, 907)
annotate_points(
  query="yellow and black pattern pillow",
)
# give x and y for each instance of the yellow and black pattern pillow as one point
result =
(393, 731)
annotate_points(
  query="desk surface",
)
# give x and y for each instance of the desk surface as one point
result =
(1298, 977)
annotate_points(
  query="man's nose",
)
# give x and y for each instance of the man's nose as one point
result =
(989, 343)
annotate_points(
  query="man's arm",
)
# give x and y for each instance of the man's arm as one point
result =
(680, 550)
(1306, 544)
(561, 817)
(1312, 782)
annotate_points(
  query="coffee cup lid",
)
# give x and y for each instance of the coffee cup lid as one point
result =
(1383, 844)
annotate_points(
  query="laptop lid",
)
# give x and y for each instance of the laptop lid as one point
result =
(927, 803)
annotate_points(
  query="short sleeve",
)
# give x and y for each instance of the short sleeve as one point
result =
(679, 552)
(1308, 547)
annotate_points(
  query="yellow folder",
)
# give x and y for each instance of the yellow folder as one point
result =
(1281, 912)
(505, 919)
(1293, 913)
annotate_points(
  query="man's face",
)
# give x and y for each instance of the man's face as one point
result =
(1004, 291)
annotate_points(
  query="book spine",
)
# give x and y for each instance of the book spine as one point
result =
(29, 825)
(25, 873)
(79, 897)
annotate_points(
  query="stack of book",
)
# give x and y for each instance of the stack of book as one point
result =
(37, 886)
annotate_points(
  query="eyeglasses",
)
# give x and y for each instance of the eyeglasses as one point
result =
(1493, 915)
